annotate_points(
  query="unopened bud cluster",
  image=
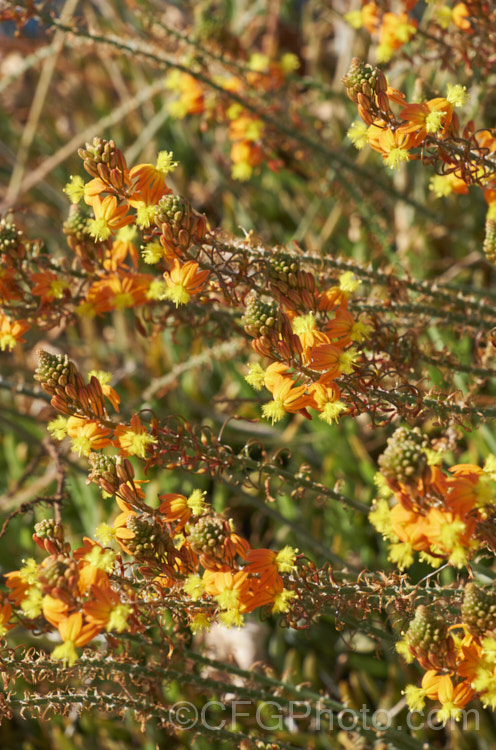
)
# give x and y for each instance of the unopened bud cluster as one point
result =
(428, 639)
(404, 460)
(103, 159)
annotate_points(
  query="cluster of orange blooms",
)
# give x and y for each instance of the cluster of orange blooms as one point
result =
(459, 659)
(446, 516)
(394, 29)
(246, 131)
(430, 124)
(308, 336)
(184, 551)
(102, 233)
(443, 515)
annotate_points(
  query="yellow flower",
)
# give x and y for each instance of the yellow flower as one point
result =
(165, 162)
(58, 427)
(282, 600)
(415, 697)
(285, 559)
(105, 533)
(29, 571)
(403, 650)
(357, 133)
(346, 360)
(289, 62)
(152, 252)
(457, 94)
(348, 282)
(401, 554)
(196, 502)
(101, 559)
(194, 587)
(331, 411)
(199, 622)
(118, 618)
(32, 605)
(256, 376)
(75, 189)
(440, 186)
(158, 289)
(66, 653)
(303, 323)
(231, 617)
(184, 281)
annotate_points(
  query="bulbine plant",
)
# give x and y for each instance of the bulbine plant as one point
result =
(296, 345)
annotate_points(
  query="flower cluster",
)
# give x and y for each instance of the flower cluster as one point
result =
(309, 339)
(184, 547)
(460, 659)
(393, 29)
(394, 136)
(247, 133)
(117, 211)
(443, 515)
(427, 130)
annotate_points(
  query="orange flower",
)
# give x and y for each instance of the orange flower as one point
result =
(184, 281)
(109, 217)
(231, 590)
(410, 526)
(305, 327)
(326, 400)
(326, 358)
(11, 332)
(48, 286)
(133, 439)
(245, 155)
(145, 202)
(452, 697)
(94, 564)
(246, 128)
(287, 397)
(122, 533)
(117, 292)
(180, 508)
(87, 435)
(460, 15)
(370, 17)
(333, 298)
(103, 379)
(392, 145)
(427, 118)
(471, 656)
(106, 610)
(9, 290)
(153, 176)
(5, 615)
(270, 563)
(74, 631)
(192, 99)
(18, 586)
(396, 96)
(396, 30)
(54, 610)
(122, 247)
(94, 188)
(273, 373)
